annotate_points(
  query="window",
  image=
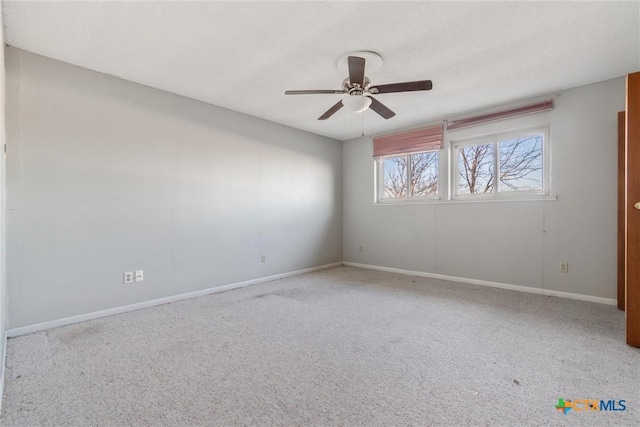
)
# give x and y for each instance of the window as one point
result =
(408, 176)
(497, 156)
(407, 164)
(501, 165)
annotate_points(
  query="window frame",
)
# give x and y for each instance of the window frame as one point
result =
(495, 138)
(379, 197)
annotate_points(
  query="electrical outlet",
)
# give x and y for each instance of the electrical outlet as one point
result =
(128, 277)
(564, 267)
(139, 275)
(263, 258)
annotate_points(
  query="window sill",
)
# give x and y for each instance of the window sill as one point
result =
(503, 199)
(465, 200)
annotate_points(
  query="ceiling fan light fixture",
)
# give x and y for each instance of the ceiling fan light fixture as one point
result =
(356, 103)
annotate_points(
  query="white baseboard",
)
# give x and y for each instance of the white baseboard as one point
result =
(539, 291)
(23, 330)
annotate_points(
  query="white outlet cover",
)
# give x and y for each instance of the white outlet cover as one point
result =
(128, 277)
(139, 275)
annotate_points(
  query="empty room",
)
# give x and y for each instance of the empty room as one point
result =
(296, 213)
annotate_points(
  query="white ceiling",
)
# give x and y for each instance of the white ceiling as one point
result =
(244, 55)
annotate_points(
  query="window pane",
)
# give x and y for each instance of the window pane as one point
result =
(475, 169)
(395, 176)
(424, 174)
(521, 164)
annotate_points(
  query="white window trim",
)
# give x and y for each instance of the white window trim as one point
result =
(494, 138)
(379, 182)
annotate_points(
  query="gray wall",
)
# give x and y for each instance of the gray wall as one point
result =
(106, 176)
(517, 243)
(3, 276)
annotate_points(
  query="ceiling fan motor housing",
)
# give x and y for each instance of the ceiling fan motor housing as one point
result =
(356, 89)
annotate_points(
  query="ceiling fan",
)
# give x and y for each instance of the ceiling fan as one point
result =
(359, 90)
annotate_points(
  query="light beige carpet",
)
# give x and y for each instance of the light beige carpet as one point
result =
(337, 347)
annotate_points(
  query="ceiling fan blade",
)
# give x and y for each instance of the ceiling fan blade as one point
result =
(380, 108)
(312, 92)
(331, 111)
(356, 70)
(402, 87)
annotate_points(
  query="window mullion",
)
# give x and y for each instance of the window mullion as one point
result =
(496, 167)
(409, 173)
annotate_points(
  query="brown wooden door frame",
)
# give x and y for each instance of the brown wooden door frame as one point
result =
(621, 207)
(632, 214)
